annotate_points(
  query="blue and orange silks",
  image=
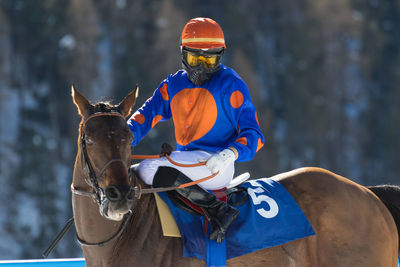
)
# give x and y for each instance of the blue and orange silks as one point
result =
(211, 117)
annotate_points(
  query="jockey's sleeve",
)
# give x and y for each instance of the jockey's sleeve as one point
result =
(249, 139)
(155, 109)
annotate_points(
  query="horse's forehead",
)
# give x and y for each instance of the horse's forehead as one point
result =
(106, 123)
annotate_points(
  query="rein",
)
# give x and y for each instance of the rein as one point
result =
(139, 191)
(98, 193)
(115, 236)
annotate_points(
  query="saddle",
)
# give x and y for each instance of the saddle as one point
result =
(234, 195)
(216, 206)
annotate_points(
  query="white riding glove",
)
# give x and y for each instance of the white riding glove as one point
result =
(220, 161)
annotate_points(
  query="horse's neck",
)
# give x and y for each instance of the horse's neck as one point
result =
(90, 225)
(143, 241)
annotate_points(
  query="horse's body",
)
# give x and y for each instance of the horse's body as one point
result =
(353, 227)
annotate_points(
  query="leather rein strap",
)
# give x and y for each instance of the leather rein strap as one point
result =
(139, 191)
(98, 192)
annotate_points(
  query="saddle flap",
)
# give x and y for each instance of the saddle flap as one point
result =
(168, 223)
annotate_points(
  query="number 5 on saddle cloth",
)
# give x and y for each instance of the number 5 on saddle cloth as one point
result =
(268, 217)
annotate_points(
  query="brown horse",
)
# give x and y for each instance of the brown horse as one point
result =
(353, 226)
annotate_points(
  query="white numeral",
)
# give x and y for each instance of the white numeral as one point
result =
(273, 206)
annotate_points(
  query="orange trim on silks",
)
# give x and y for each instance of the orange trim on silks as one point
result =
(156, 119)
(139, 118)
(257, 119)
(259, 145)
(202, 33)
(242, 140)
(164, 92)
(236, 99)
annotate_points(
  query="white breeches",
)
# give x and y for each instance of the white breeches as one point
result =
(148, 167)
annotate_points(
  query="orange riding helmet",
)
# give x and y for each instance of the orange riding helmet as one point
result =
(202, 33)
(202, 45)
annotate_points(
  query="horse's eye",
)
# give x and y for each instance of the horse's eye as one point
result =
(89, 141)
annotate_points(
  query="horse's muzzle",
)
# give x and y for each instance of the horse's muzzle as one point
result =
(118, 202)
(116, 193)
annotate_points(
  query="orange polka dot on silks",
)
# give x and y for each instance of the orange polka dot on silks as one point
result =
(139, 118)
(236, 99)
(194, 112)
(164, 92)
(156, 119)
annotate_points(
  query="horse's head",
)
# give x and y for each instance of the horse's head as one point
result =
(105, 149)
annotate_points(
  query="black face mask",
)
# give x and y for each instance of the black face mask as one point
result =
(200, 74)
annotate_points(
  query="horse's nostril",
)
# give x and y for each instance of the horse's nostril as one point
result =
(113, 193)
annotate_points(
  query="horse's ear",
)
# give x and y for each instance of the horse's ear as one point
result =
(129, 101)
(80, 102)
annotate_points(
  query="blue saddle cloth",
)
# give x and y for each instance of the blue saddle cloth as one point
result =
(270, 218)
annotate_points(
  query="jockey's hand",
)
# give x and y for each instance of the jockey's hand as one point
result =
(166, 149)
(220, 161)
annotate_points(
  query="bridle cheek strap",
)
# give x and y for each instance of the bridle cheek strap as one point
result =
(93, 178)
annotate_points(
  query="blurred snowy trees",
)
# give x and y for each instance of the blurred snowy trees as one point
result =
(323, 74)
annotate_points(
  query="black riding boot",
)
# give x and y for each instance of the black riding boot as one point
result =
(220, 213)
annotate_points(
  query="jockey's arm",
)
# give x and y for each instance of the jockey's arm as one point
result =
(249, 139)
(155, 109)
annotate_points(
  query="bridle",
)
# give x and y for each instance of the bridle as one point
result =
(98, 193)
(91, 179)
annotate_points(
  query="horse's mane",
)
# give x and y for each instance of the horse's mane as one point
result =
(103, 107)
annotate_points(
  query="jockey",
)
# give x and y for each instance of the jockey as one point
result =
(214, 118)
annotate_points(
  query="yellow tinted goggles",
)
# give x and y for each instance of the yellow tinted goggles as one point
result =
(210, 61)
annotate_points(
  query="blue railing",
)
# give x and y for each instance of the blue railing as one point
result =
(48, 263)
(44, 263)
